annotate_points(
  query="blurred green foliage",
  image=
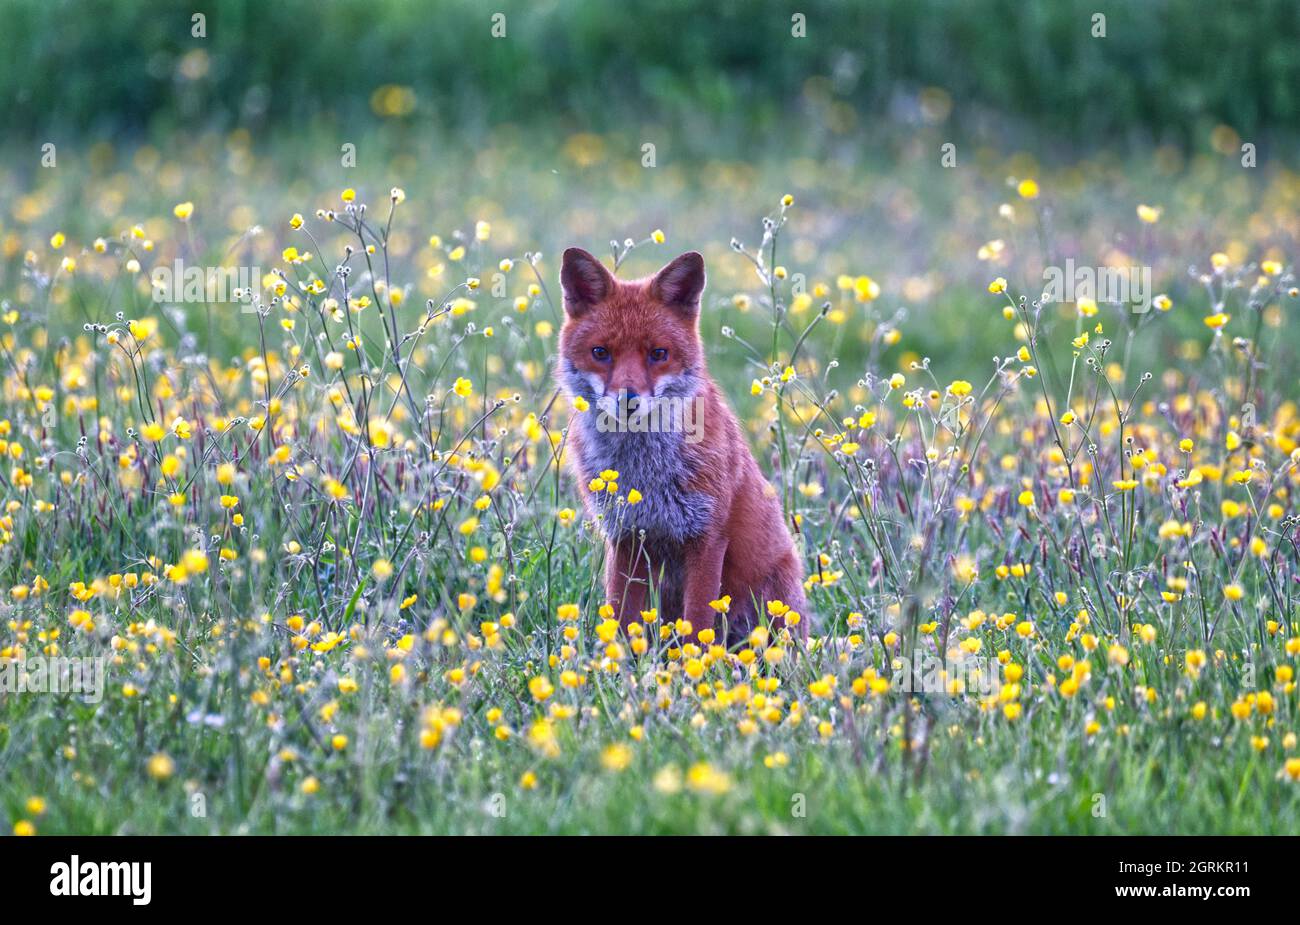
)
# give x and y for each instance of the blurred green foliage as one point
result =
(720, 73)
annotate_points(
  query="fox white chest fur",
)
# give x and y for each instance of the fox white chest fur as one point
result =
(655, 465)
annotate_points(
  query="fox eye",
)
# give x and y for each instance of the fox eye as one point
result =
(659, 354)
(600, 353)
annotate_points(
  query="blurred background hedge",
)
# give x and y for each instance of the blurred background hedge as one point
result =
(723, 72)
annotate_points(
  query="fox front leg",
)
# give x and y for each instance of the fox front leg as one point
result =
(626, 580)
(703, 566)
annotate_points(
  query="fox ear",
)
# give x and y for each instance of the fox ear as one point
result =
(681, 283)
(584, 279)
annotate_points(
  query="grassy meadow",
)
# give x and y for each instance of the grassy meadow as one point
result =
(313, 520)
(322, 537)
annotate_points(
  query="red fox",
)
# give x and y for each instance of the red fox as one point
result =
(707, 525)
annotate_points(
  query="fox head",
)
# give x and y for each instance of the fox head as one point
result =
(631, 339)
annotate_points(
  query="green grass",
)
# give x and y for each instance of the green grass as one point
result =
(724, 78)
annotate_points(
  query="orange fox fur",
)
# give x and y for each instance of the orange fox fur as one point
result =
(710, 524)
